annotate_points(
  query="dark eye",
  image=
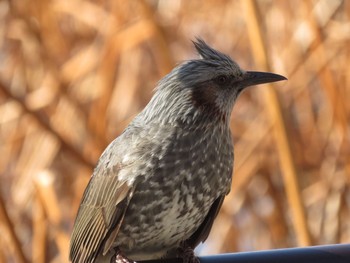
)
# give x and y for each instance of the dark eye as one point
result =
(222, 79)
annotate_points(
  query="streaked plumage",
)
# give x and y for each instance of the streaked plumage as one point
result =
(163, 180)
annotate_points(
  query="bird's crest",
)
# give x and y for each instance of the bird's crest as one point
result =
(215, 59)
(208, 53)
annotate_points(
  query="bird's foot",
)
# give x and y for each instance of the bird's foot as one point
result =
(119, 257)
(187, 254)
(122, 259)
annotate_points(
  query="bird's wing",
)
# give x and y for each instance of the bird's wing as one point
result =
(203, 231)
(101, 212)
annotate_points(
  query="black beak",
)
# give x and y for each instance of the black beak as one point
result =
(251, 78)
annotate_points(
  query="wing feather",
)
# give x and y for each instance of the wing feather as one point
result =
(203, 231)
(100, 214)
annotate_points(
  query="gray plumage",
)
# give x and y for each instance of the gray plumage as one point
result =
(160, 184)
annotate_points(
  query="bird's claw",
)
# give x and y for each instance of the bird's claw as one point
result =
(119, 257)
(187, 254)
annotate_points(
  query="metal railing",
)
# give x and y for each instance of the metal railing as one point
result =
(315, 254)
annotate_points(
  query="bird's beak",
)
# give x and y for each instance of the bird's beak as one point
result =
(251, 78)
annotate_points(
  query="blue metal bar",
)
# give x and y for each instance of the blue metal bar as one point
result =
(316, 254)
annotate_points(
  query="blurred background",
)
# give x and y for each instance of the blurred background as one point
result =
(73, 74)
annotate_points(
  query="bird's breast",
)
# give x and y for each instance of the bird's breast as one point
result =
(189, 171)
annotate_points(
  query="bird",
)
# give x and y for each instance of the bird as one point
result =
(158, 187)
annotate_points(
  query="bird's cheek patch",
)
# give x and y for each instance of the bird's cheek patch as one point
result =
(204, 98)
(204, 95)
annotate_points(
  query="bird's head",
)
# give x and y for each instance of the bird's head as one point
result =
(204, 89)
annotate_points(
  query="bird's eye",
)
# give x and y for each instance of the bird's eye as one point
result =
(222, 79)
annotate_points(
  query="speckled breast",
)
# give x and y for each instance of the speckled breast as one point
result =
(174, 196)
